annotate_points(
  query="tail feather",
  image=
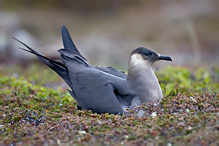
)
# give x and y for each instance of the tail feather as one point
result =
(68, 43)
(69, 55)
(41, 57)
(57, 66)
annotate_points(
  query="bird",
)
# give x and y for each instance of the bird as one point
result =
(105, 89)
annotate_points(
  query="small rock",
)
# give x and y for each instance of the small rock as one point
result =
(1, 126)
(82, 132)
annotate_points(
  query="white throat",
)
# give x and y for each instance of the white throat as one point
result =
(137, 63)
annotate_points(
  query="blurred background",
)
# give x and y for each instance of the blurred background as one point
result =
(106, 31)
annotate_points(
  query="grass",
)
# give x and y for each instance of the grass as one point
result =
(32, 113)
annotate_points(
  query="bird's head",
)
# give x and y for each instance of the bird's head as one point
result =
(143, 57)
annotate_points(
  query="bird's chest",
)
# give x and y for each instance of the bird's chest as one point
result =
(148, 89)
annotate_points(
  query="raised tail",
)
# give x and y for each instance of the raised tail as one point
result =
(57, 66)
(68, 43)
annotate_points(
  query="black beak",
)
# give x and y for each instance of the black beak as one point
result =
(163, 57)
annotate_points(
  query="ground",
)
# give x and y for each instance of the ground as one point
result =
(34, 113)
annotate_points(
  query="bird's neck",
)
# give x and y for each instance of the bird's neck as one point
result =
(138, 68)
(144, 82)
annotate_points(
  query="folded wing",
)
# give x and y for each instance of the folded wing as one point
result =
(100, 89)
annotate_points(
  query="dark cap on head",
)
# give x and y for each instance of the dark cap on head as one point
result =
(150, 55)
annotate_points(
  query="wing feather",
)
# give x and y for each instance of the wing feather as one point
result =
(95, 92)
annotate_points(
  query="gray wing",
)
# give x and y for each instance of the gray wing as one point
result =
(112, 71)
(96, 90)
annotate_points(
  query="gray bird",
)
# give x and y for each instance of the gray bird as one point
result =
(105, 89)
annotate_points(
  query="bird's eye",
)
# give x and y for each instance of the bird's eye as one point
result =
(147, 53)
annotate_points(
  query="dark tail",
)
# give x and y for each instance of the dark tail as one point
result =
(57, 66)
(68, 43)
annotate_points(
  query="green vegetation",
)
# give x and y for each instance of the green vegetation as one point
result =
(32, 113)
